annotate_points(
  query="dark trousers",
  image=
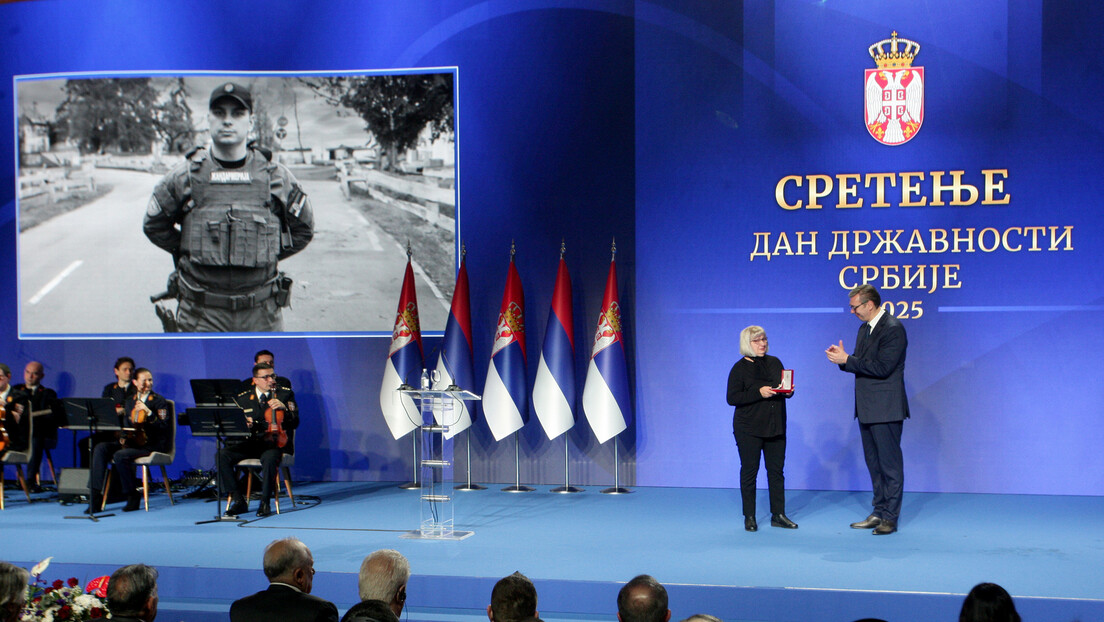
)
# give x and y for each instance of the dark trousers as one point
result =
(47, 438)
(773, 449)
(124, 458)
(882, 450)
(227, 457)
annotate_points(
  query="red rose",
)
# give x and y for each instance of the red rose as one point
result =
(73, 582)
(47, 591)
(65, 613)
(58, 584)
(95, 612)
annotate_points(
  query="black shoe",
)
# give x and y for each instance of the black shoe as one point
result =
(781, 520)
(750, 524)
(238, 506)
(35, 489)
(869, 522)
(133, 503)
(885, 528)
(95, 505)
(264, 510)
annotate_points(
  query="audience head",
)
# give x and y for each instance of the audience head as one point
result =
(132, 592)
(643, 599)
(513, 599)
(702, 617)
(988, 602)
(13, 591)
(383, 576)
(289, 561)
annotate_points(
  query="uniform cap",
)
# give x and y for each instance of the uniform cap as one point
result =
(234, 91)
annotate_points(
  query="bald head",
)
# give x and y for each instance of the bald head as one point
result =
(643, 599)
(289, 561)
(33, 373)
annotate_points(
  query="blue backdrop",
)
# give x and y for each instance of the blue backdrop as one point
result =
(671, 126)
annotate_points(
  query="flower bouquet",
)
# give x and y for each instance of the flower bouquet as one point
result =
(64, 600)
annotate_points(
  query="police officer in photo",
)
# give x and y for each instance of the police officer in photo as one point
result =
(227, 215)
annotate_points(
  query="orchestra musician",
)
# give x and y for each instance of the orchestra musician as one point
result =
(265, 399)
(48, 413)
(118, 391)
(16, 409)
(146, 422)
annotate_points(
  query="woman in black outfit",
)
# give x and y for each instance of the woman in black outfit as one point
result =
(759, 424)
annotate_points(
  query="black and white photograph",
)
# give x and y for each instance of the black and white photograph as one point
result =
(162, 205)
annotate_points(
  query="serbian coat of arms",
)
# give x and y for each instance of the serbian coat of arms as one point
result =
(894, 94)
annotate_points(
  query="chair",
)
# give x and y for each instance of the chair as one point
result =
(18, 458)
(160, 460)
(283, 472)
(154, 459)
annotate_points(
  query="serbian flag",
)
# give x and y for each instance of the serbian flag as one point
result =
(606, 399)
(404, 362)
(505, 396)
(554, 388)
(454, 364)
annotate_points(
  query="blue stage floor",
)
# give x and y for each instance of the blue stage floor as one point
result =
(577, 548)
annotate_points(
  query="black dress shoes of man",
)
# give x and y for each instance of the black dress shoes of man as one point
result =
(133, 503)
(264, 510)
(750, 524)
(239, 506)
(885, 528)
(781, 520)
(869, 522)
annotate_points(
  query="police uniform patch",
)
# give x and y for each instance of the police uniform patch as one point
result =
(154, 208)
(231, 177)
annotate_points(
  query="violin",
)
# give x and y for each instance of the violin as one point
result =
(138, 415)
(3, 430)
(274, 426)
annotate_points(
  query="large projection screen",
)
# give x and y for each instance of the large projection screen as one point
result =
(375, 153)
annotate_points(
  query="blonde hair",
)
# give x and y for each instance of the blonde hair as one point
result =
(746, 335)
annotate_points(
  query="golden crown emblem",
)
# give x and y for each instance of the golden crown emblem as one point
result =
(900, 53)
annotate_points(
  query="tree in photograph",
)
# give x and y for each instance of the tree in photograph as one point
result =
(172, 119)
(396, 109)
(109, 113)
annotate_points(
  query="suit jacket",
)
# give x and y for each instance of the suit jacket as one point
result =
(43, 398)
(879, 367)
(247, 401)
(280, 602)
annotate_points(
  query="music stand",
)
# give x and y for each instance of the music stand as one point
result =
(217, 393)
(93, 414)
(220, 422)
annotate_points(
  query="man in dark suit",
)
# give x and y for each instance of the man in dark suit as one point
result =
(265, 393)
(47, 411)
(289, 566)
(132, 594)
(880, 402)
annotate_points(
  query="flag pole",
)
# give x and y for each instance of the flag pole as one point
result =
(567, 487)
(616, 489)
(469, 485)
(517, 487)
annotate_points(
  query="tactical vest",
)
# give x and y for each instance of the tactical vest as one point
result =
(229, 220)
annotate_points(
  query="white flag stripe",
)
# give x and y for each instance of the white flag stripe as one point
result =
(499, 408)
(459, 417)
(549, 402)
(601, 409)
(398, 409)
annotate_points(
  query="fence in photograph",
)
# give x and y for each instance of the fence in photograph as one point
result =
(428, 198)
